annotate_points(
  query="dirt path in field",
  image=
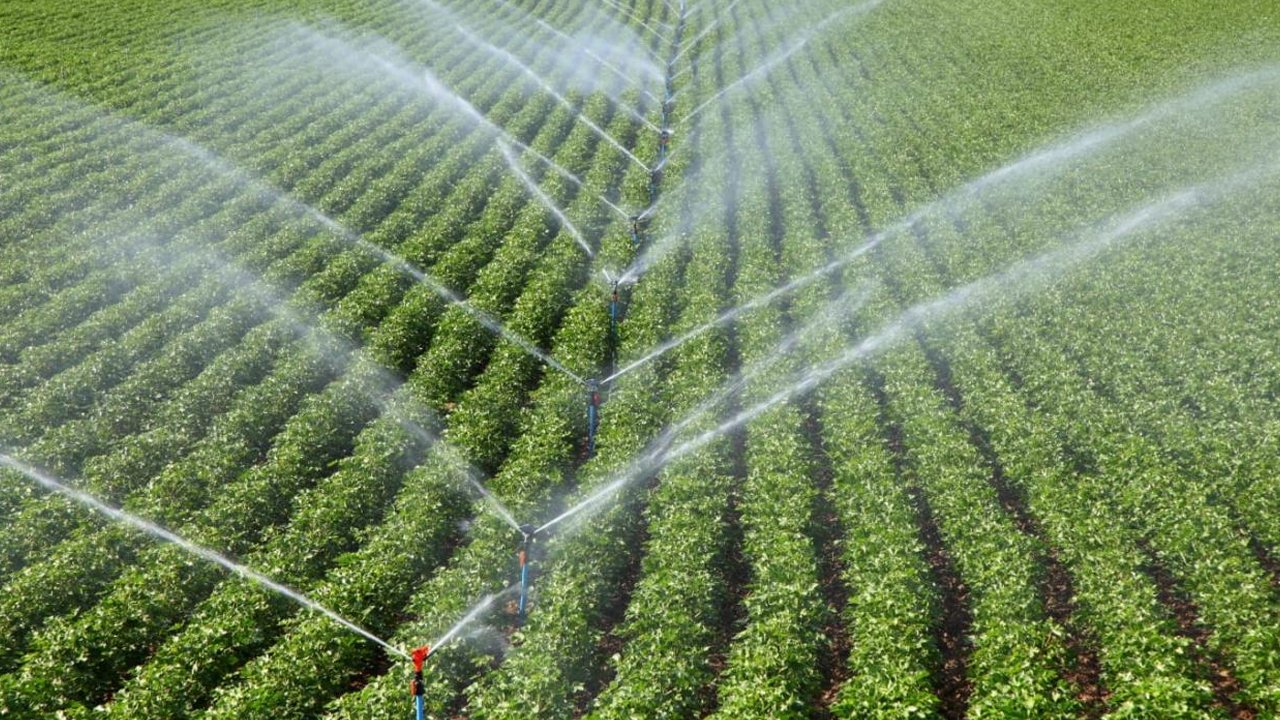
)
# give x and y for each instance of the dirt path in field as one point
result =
(954, 622)
(827, 527)
(1057, 591)
(737, 573)
(1187, 615)
(612, 642)
(1266, 558)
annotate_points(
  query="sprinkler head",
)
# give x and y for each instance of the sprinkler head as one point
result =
(420, 655)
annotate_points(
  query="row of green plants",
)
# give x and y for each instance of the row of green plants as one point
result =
(1188, 527)
(675, 614)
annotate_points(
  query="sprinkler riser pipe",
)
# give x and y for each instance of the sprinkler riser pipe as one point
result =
(593, 414)
(522, 556)
(613, 317)
(417, 687)
(524, 585)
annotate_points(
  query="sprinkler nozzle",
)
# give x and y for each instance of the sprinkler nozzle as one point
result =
(528, 531)
(420, 656)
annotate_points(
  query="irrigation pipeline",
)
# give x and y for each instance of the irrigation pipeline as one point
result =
(638, 224)
(594, 397)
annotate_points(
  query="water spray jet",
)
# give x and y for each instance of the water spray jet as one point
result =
(594, 56)
(165, 535)
(578, 115)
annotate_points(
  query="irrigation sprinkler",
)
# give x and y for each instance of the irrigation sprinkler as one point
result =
(593, 414)
(664, 143)
(655, 179)
(417, 687)
(522, 555)
(616, 283)
(635, 230)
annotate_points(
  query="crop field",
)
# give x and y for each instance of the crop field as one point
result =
(639, 359)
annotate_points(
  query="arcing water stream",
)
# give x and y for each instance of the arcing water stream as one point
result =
(1020, 278)
(277, 304)
(606, 64)
(546, 201)
(355, 240)
(386, 60)
(546, 87)
(721, 320)
(781, 56)
(485, 319)
(1039, 161)
(160, 533)
(703, 33)
(836, 309)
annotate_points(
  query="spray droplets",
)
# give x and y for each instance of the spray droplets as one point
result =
(160, 533)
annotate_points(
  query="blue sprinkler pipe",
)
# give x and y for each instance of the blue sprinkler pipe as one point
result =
(613, 318)
(635, 234)
(593, 414)
(664, 144)
(522, 555)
